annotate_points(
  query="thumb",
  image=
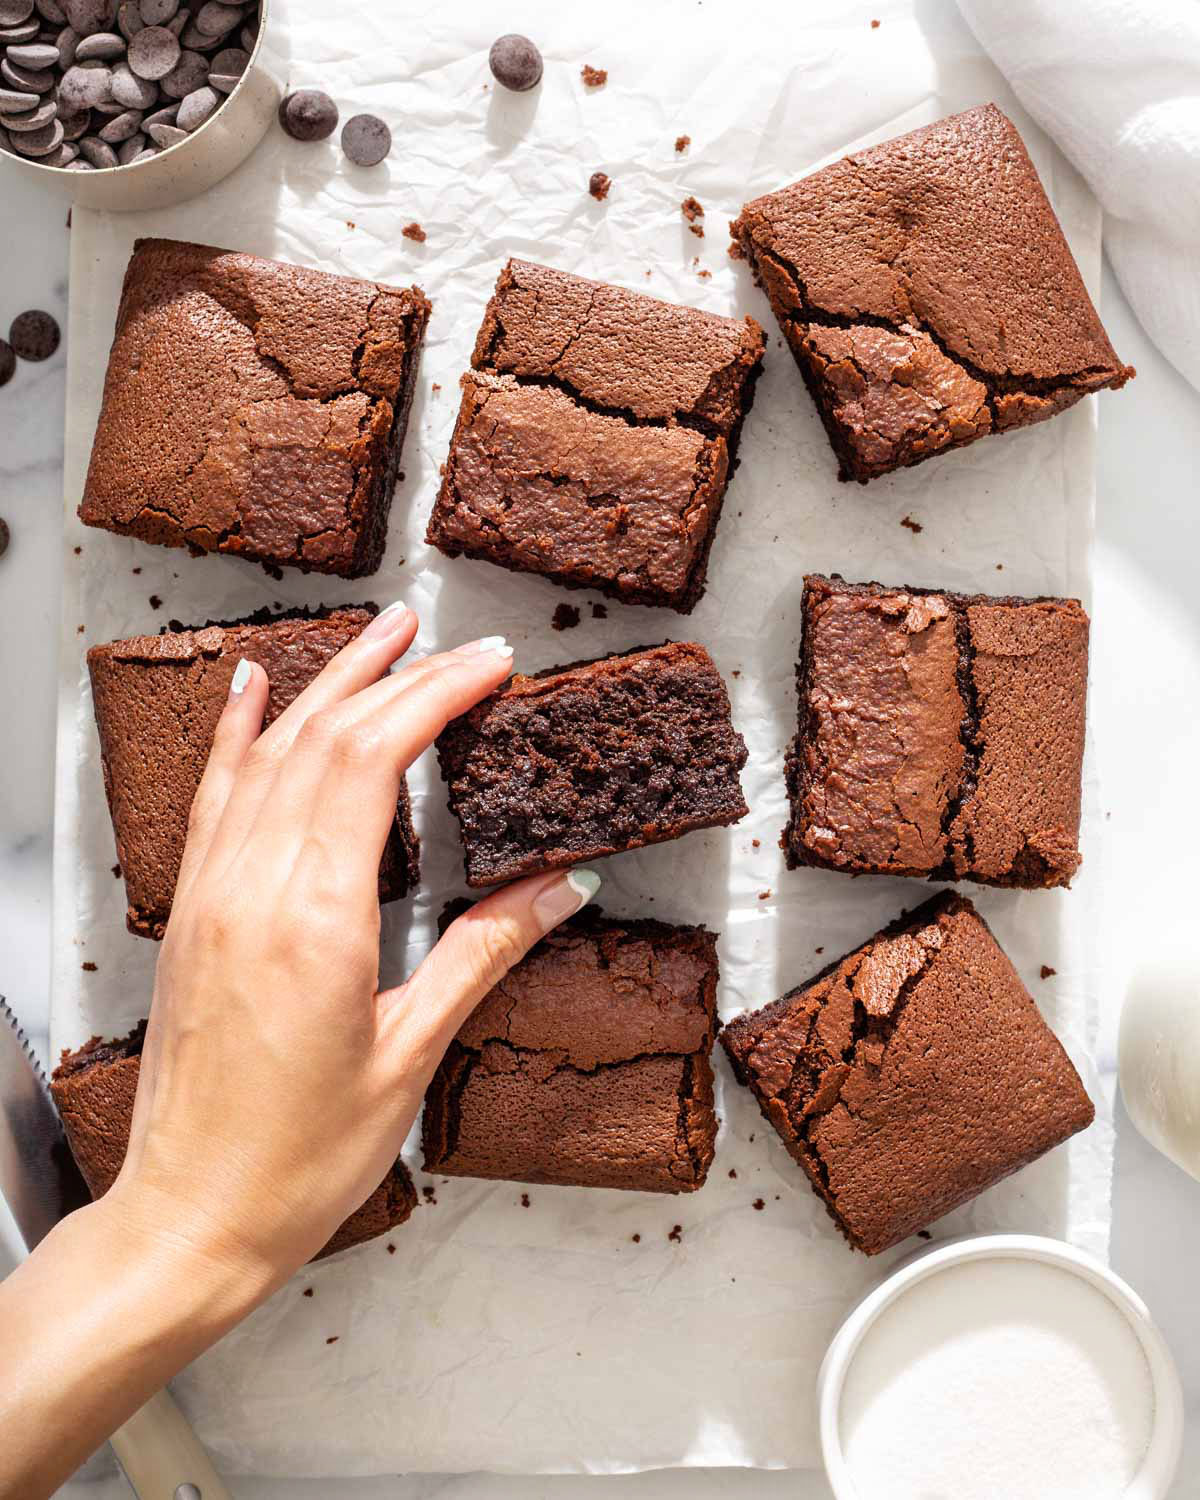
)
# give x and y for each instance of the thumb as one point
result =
(421, 1016)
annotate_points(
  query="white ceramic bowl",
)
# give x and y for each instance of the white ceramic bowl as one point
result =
(1153, 1479)
(193, 166)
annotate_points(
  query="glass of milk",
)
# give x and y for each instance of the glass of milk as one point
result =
(1000, 1365)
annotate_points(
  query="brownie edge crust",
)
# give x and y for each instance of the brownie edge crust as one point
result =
(94, 1089)
(910, 1075)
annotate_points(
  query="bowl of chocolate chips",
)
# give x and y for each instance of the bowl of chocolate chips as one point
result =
(132, 104)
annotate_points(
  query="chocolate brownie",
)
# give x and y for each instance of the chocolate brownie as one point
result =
(592, 759)
(910, 1075)
(94, 1090)
(928, 294)
(940, 734)
(157, 699)
(254, 408)
(597, 433)
(587, 1065)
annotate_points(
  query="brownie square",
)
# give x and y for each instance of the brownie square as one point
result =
(254, 408)
(587, 1065)
(928, 294)
(597, 433)
(157, 699)
(592, 759)
(94, 1090)
(940, 734)
(911, 1075)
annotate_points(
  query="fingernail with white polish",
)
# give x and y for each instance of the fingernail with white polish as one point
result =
(563, 897)
(495, 643)
(241, 678)
(386, 621)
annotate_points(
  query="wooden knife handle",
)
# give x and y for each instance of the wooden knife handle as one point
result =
(161, 1456)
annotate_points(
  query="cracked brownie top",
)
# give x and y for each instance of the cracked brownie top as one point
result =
(928, 293)
(587, 1065)
(597, 433)
(254, 408)
(940, 734)
(910, 1075)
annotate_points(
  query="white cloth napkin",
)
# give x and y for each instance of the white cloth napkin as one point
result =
(1116, 83)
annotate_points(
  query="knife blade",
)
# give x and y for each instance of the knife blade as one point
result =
(38, 1176)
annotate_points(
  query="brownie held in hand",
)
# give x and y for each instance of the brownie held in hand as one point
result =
(592, 759)
(940, 734)
(597, 434)
(928, 294)
(94, 1090)
(587, 1065)
(254, 408)
(911, 1075)
(157, 700)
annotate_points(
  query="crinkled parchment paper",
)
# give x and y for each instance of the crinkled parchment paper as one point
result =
(543, 1338)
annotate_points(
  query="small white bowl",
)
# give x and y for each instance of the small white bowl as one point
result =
(1153, 1479)
(185, 170)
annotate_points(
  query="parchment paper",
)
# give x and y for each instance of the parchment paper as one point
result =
(543, 1338)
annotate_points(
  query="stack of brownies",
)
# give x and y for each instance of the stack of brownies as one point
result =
(929, 298)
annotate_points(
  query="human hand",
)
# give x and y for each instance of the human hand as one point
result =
(277, 1083)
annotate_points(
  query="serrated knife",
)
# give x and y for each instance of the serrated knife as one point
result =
(157, 1450)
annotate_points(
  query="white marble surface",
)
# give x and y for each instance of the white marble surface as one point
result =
(1146, 684)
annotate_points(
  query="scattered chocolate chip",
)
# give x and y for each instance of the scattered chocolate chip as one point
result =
(598, 185)
(524, 1200)
(307, 1292)
(16, 102)
(636, 1238)
(733, 1171)
(88, 968)
(599, 611)
(34, 335)
(391, 1249)
(308, 115)
(155, 602)
(924, 1234)
(676, 1234)
(333, 1338)
(594, 78)
(565, 617)
(759, 1204)
(515, 62)
(429, 1193)
(914, 526)
(414, 232)
(116, 870)
(8, 362)
(815, 950)
(5, 536)
(1047, 972)
(366, 140)
(682, 142)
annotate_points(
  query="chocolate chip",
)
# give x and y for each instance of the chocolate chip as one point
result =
(66, 41)
(121, 127)
(98, 152)
(8, 362)
(215, 19)
(85, 88)
(131, 148)
(308, 115)
(164, 116)
(37, 143)
(224, 83)
(188, 73)
(366, 140)
(4, 531)
(129, 19)
(515, 62)
(196, 107)
(36, 55)
(17, 102)
(130, 90)
(33, 121)
(34, 335)
(13, 12)
(63, 157)
(75, 125)
(153, 53)
(52, 11)
(165, 135)
(158, 12)
(102, 44)
(87, 16)
(26, 80)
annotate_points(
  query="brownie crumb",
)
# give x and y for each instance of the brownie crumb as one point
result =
(636, 1238)
(874, 25)
(136, 570)
(599, 611)
(751, 1137)
(756, 843)
(819, 950)
(735, 251)
(78, 550)
(155, 602)
(733, 1171)
(350, 224)
(692, 210)
(116, 869)
(308, 1291)
(79, 629)
(391, 1249)
(764, 895)
(594, 78)
(924, 1234)
(565, 617)
(524, 1200)
(913, 526)
(333, 1338)
(676, 1234)
(1047, 972)
(999, 567)
(435, 386)
(759, 1204)
(598, 185)
(88, 968)
(272, 571)
(682, 142)
(704, 275)
(429, 1193)
(414, 231)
